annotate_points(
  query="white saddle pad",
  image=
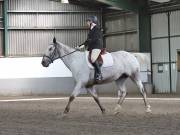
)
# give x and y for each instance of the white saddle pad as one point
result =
(107, 60)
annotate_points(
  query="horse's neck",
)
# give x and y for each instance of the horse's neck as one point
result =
(71, 61)
(68, 59)
(65, 49)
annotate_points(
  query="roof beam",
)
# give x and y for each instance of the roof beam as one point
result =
(132, 5)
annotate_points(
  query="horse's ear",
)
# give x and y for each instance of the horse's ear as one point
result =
(54, 40)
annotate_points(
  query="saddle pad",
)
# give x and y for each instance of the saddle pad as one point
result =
(107, 60)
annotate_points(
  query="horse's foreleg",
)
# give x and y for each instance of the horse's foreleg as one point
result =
(74, 94)
(93, 92)
(71, 98)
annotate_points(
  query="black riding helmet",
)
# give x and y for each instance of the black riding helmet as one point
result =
(92, 19)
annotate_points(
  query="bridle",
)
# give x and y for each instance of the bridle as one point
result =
(51, 58)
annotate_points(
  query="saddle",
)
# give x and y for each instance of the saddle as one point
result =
(104, 59)
(99, 59)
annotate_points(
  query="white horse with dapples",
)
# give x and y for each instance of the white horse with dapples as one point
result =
(123, 65)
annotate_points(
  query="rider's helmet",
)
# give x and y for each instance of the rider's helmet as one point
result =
(92, 19)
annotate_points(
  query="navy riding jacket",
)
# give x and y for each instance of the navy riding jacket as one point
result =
(94, 39)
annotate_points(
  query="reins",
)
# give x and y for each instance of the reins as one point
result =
(51, 58)
(68, 54)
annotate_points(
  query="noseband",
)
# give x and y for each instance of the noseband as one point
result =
(48, 58)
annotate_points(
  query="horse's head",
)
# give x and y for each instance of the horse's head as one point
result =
(52, 53)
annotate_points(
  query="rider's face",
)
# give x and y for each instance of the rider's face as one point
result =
(89, 23)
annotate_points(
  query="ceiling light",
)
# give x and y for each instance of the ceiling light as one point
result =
(161, 1)
(64, 1)
(114, 8)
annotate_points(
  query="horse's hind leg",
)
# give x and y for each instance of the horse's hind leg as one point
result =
(121, 93)
(136, 78)
(93, 93)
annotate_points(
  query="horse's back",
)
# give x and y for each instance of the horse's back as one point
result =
(128, 60)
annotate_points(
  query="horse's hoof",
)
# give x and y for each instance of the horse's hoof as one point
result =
(116, 113)
(103, 112)
(66, 111)
(63, 115)
(117, 109)
(148, 109)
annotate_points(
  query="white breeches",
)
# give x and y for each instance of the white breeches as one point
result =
(94, 55)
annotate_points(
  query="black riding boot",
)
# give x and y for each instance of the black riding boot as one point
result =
(97, 75)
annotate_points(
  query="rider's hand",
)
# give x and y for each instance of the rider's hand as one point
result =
(80, 47)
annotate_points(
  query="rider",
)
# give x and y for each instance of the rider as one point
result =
(94, 45)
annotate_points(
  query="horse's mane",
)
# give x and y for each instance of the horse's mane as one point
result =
(65, 47)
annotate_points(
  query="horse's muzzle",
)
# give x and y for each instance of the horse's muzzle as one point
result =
(44, 64)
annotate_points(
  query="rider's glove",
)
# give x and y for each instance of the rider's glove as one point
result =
(80, 47)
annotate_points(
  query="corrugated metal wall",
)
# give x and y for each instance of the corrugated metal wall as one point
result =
(33, 23)
(121, 31)
(159, 23)
(34, 42)
(165, 43)
(160, 52)
(1, 28)
(175, 46)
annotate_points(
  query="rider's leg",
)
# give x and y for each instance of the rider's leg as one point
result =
(98, 75)
(94, 55)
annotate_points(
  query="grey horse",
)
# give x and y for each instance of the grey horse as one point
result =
(125, 65)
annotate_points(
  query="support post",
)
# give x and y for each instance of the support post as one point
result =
(5, 21)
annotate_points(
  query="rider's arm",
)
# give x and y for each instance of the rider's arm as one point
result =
(94, 37)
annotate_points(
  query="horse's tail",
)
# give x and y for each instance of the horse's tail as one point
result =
(142, 58)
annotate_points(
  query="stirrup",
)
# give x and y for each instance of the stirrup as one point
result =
(98, 77)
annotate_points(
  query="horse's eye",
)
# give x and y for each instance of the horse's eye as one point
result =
(50, 49)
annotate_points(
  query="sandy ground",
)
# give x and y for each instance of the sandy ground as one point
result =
(85, 118)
